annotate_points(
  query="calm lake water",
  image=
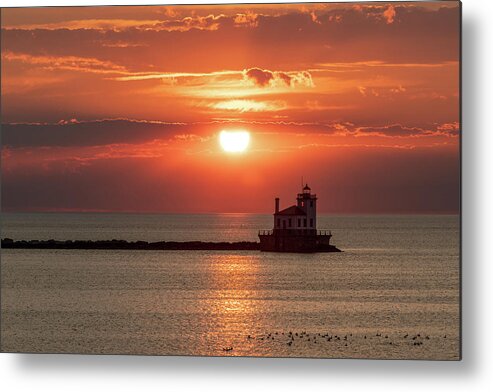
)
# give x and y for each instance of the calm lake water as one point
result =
(397, 278)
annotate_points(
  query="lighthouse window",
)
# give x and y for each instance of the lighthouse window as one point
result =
(278, 222)
(304, 222)
(299, 222)
(289, 222)
(311, 222)
(311, 203)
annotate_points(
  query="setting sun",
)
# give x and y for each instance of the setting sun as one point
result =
(234, 141)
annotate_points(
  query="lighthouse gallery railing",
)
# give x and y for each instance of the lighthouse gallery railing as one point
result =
(287, 232)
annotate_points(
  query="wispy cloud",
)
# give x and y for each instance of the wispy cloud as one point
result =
(68, 63)
(173, 75)
(266, 78)
(95, 24)
(247, 105)
(383, 64)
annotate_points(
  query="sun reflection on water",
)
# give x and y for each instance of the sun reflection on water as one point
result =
(234, 281)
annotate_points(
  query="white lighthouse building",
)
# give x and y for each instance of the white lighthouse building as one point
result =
(302, 216)
(295, 227)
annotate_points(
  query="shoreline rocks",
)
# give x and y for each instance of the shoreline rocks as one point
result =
(8, 243)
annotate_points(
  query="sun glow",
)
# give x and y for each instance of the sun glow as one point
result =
(234, 141)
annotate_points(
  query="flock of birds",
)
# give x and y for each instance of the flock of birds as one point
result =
(291, 338)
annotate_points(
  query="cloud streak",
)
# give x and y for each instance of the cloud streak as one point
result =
(75, 133)
(265, 78)
(66, 63)
(248, 105)
(72, 132)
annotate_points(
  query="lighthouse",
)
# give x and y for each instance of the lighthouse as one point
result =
(295, 227)
(302, 216)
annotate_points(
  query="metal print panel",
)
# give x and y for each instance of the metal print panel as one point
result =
(276, 180)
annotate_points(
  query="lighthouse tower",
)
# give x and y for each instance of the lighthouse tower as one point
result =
(308, 203)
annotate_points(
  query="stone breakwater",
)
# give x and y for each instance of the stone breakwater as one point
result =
(8, 243)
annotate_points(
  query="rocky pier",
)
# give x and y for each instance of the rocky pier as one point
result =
(8, 243)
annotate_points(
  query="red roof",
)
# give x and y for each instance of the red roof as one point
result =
(293, 210)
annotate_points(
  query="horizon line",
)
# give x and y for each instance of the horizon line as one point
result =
(135, 212)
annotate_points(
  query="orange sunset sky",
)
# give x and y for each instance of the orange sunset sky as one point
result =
(120, 108)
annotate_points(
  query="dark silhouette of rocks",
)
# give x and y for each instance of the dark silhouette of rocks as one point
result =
(8, 243)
